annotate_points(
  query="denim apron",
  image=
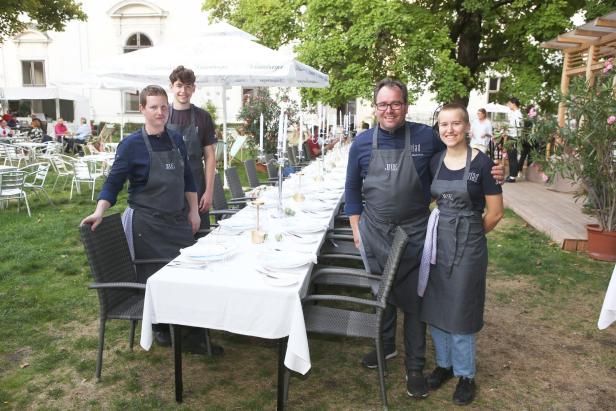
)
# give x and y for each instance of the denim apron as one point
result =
(394, 197)
(455, 293)
(159, 221)
(190, 135)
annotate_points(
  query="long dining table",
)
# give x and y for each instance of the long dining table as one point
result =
(229, 281)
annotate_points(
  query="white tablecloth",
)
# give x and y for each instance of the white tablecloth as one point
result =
(608, 311)
(232, 295)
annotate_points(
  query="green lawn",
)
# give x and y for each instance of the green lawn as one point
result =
(541, 314)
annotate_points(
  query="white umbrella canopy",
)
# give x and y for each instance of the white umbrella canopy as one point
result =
(221, 55)
(497, 108)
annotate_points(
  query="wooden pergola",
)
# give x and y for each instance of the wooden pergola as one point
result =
(585, 48)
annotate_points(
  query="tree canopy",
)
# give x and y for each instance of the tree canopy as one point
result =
(17, 15)
(448, 46)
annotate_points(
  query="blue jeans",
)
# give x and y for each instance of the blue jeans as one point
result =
(457, 350)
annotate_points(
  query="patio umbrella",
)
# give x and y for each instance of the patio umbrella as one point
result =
(221, 55)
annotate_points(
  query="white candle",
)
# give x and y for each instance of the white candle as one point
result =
(261, 132)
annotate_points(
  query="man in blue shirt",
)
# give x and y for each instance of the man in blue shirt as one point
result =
(389, 166)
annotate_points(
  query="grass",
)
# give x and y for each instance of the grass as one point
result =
(541, 312)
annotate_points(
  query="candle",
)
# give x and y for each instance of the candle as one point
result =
(261, 132)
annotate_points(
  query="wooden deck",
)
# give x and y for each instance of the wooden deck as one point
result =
(553, 213)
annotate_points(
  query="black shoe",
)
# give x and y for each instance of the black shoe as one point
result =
(370, 360)
(162, 338)
(416, 385)
(465, 391)
(510, 179)
(438, 377)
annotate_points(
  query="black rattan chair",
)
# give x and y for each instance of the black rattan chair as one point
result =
(120, 296)
(348, 323)
(235, 185)
(251, 172)
(220, 207)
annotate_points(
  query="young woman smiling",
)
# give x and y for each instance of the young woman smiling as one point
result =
(455, 257)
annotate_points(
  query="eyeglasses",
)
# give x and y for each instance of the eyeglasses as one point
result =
(396, 105)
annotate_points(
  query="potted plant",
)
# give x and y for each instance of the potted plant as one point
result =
(584, 150)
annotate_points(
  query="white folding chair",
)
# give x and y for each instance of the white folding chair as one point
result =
(63, 167)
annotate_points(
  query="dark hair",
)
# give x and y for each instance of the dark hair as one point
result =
(151, 90)
(483, 110)
(391, 83)
(456, 106)
(514, 100)
(181, 73)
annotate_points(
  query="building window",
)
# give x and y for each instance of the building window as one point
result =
(33, 73)
(137, 41)
(494, 84)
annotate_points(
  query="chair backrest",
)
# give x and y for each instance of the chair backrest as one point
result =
(291, 156)
(11, 183)
(306, 150)
(36, 174)
(398, 246)
(272, 166)
(251, 172)
(82, 170)
(235, 185)
(109, 258)
(219, 202)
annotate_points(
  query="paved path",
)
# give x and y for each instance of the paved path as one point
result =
(556, 214)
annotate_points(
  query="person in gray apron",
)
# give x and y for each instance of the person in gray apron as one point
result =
(453, 287)
(162, 216)
(196, 127)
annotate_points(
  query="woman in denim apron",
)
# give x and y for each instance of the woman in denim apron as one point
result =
(455, 256)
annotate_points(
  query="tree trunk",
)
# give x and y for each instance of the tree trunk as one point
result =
(468, 27)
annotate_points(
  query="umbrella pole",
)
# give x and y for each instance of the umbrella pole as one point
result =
(224, 132)
(122, 103)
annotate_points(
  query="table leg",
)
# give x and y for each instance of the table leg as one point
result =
(177, 356)
(283, 375)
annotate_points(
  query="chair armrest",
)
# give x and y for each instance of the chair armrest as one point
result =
(341, 256)
(337, 235)
(152, 261)
(319, 271)
(342, 298)
(223, 212)
(134, 286)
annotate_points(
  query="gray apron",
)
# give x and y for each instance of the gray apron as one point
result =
(159, 220)
(455, 294)
(394, 197)
(190, 135)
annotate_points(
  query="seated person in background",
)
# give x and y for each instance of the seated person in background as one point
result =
(10, 119)
(5, 130)
(81, 135)
(60, 130)
(36, 132)
(315, 141)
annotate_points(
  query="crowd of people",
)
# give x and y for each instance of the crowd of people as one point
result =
(395, 170)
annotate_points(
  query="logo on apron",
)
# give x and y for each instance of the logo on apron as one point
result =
(447, 196)
(170, 166)
(391, 166)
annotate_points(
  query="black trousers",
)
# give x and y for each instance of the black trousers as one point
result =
(526, 149)
(512, 156)
(414, 336)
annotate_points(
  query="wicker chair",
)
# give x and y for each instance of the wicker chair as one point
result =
(220, 207)
(120, 296)
(235, 186)
(251, 172)
(343, 322)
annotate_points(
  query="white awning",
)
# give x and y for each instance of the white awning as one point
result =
(38, 93)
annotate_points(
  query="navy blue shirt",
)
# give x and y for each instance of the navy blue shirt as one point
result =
(480, 181)
(424, 144)
(132, 163)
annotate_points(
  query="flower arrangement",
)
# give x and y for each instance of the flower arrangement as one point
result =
(584, 149)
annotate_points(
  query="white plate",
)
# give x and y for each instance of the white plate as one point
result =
(280, 281)
(238, 224)
(209, 252)
(310, 227)
(280, 260)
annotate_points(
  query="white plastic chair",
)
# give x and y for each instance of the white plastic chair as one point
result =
(83, 174)
(12, 188)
